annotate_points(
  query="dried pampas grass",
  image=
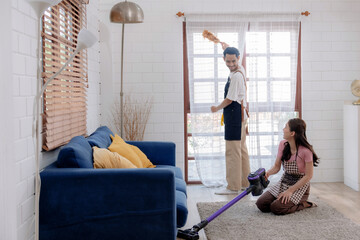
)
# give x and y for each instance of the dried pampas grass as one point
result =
(136, 116)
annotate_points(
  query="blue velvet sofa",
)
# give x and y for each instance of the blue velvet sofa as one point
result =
(79, 202)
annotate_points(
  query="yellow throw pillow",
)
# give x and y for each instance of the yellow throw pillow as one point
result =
(117, 138)
(145, 161)
(118, 145)
(103, 158)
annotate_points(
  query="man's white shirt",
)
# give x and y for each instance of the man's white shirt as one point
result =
(237, 89)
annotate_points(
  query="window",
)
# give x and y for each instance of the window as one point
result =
(65, 98)
(271, 65)
(208, 75)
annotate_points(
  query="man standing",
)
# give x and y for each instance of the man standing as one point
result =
(235, 119)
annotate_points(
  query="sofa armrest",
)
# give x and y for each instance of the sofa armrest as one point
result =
(75, 203)
(159, 153)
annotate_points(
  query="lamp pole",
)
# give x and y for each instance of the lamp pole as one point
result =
(85, 39)
(36, 109)
(121, 83)
(39, 6)
(125, 12)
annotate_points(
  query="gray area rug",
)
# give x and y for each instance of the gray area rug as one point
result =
(244, 221)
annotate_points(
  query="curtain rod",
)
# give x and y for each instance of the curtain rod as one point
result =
(182, 14)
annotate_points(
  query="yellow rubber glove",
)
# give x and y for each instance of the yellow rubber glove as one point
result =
(222, 120)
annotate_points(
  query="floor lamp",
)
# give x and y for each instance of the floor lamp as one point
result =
(39, 6)
(85, 40)
(125, 12)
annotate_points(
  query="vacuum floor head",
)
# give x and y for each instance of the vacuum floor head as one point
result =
(188, 234)
(258, 183)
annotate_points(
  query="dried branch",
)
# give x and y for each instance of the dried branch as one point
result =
(136, 116)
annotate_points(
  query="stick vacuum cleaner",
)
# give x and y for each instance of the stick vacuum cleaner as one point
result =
(258, 183)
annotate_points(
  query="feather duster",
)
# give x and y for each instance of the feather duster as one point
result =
(210, 36)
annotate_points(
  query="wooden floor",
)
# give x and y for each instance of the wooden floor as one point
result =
(337, 195)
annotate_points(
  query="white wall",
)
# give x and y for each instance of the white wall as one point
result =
(93, 93)
(153, 66)
(23, 82)
(8, 221)
(331, 60)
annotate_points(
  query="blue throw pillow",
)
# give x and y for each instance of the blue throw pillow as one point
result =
(100, 138)
(76, 154)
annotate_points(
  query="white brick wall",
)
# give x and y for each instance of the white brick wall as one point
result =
(8, 167)
(24, 44)
(330, 55)
(24, 72)
(93, 92)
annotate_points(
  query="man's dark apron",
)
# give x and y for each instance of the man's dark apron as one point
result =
(232, 117)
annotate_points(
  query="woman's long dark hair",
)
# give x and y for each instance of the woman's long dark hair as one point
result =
(298, 126)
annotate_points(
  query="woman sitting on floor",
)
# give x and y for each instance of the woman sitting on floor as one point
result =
(298, 158)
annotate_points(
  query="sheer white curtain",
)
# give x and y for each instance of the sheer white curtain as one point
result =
(271, 60)
(271, 64)
(207, 77)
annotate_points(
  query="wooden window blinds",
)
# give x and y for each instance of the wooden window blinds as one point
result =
(65, 97)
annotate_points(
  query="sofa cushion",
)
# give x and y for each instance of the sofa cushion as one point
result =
(100, 138)
(103, 158)
(76, 154)
(143, 158)
(176, 170)
(180, 185)
(181, 209)
(159, 153)
(118, 145)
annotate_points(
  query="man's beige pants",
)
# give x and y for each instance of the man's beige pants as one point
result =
(237, 162)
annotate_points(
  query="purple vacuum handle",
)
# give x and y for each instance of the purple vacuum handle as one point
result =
(229, 204)
(257, 184)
